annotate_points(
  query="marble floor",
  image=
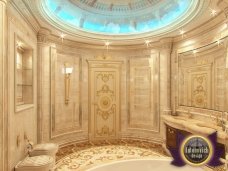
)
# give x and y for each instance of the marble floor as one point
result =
(81, 156)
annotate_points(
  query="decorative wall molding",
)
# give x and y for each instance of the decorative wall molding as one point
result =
(143, 96)
(4, 1)
(20, 24)
(62, 113)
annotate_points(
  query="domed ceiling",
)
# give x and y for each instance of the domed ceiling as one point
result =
(120, 17)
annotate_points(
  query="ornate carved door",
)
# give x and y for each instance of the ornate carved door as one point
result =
(104, 97)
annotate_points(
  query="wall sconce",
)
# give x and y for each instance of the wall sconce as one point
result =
(68, 71)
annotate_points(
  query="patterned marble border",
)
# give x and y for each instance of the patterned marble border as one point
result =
(81, 156)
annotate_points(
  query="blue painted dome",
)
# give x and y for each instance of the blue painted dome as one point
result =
(117, 17)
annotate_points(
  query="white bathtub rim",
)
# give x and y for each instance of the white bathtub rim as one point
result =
(139, 159)
(133, 159)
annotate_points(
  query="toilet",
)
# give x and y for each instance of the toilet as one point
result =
(36, 163)
(44, 149)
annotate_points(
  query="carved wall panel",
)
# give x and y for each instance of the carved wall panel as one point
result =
(104, 86)
(201, 78)
(198, 86)
(65, 118)
(144, 93)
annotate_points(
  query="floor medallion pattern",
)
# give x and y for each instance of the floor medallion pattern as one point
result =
(86, 155)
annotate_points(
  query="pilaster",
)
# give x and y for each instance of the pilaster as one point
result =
(44, 57)
(165, 72)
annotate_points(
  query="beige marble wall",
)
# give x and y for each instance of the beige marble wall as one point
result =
(59, 122)
(156, 56)
(21, 123)
(63, 113)
(53, 122)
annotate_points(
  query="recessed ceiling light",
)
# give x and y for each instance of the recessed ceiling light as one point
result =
(62, 35)
(147, 42)
(219, 42)
(225, 25)
(213, 12)
(19, 44)
(181, 31)
(107, 43)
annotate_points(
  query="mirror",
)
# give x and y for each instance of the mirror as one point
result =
(201, 77)
(23, 75)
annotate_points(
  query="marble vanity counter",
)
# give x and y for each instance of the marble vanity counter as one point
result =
(195, 126)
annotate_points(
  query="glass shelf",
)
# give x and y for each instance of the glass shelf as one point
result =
(23, 78)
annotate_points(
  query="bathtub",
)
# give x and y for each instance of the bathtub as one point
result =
(143, 165)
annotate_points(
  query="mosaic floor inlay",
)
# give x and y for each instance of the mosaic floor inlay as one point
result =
(82, 156)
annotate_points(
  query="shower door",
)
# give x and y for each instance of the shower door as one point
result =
(104, 97)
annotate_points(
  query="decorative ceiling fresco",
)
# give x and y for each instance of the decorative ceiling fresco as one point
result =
(118, 17)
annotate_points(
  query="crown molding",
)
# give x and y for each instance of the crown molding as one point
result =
(24, 10)
(3, 1)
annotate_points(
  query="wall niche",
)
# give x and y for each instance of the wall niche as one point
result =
(23, 75)
(201, 77)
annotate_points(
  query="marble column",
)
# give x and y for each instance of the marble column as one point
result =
(3, 100)
(44, 58)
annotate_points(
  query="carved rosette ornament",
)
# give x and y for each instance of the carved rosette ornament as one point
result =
(105, 102)
(199, 93)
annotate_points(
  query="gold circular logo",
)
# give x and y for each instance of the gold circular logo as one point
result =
(196, 150)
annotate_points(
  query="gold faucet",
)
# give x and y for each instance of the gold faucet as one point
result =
(220, 121)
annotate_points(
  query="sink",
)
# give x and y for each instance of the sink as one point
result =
(206, 125)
